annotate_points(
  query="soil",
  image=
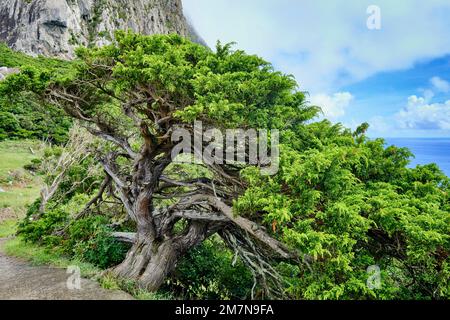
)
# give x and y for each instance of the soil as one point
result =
(21, 281)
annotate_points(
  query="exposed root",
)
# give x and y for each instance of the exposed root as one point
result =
(258, 261)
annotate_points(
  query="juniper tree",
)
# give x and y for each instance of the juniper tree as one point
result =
(134, 94)
(339, 203)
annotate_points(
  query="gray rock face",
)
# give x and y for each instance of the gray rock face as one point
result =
(57, 27)
(4, 71)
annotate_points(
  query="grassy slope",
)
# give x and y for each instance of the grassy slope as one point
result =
(21, 189)
(11, 59)
(19, 186)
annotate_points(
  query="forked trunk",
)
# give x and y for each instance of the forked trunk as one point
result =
(149, 262)
(163, 262)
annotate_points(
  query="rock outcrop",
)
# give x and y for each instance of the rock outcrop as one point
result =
(56, 27)
(5, 71)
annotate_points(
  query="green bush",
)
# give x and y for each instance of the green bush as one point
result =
(34, 165)
(208, 272)
(87, 239)
(40, 230)
(8, 123)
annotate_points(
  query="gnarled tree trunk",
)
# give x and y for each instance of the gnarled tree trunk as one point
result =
(151, 260)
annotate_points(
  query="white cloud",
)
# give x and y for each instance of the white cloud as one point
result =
(420, 115)
(333, 106)
(326, 44)
(440, 85)
(428, 94)
(380, 126)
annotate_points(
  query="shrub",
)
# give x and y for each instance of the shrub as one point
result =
(208, 272)
(8, 123)
(89, 239)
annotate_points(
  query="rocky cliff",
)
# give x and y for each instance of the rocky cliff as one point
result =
(56, 27)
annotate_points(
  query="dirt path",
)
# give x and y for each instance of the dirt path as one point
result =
(20, 281)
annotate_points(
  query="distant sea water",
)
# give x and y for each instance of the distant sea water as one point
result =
(426, 150)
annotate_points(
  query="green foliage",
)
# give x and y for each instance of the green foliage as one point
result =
(8, 123)
(90, 240)
(25, 119)
(24, 116)
(110, 282)
(210, 272)
(86, 239)
(348, 203)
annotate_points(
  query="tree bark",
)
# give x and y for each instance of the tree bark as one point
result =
(163, 261)
(148, 263)
(156, 251)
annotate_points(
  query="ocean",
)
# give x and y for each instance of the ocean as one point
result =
(426, 150)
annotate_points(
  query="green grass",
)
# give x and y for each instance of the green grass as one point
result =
(38, 255)
(10, 58)
(14, 154)
(8, 228)
(18, 198)
(107, 281)
(20, 188)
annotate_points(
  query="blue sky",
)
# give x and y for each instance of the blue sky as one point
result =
(397, 77)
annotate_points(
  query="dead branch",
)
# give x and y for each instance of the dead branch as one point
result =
(76, 150)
